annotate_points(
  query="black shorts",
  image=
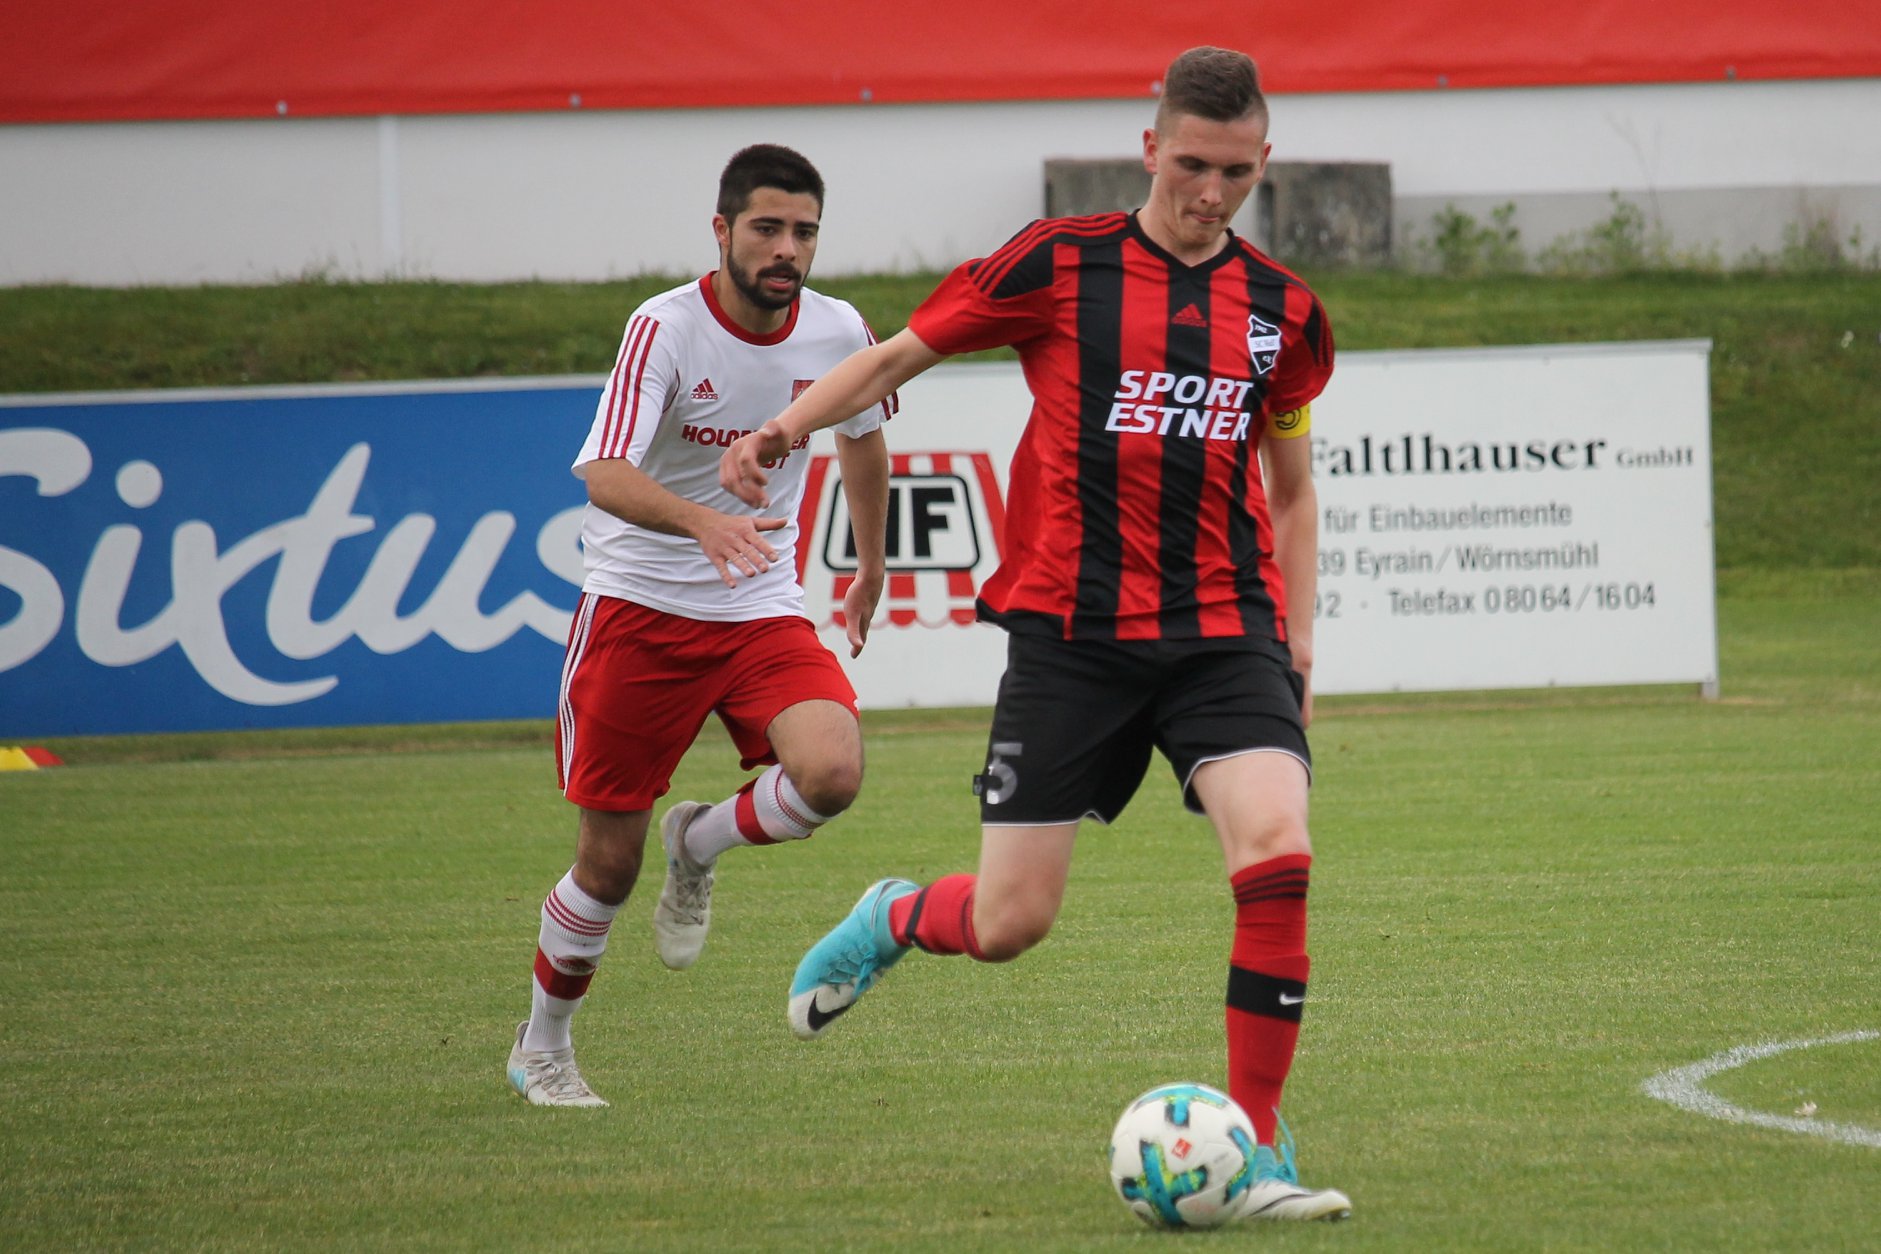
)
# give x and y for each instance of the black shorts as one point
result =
(1075, 721)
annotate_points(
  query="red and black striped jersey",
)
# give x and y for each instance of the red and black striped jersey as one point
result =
(1135, 509)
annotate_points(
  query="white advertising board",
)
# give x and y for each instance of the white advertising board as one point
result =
(1516, 518)
(1489, 518)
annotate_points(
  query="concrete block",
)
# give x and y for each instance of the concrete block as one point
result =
(1076, 186)
(1325, 213)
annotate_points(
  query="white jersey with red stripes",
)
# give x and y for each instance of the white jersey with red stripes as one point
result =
(687, 383)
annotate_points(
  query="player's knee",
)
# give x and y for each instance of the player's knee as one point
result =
(608, 853)
(829, 788)
(1005, 936)
(1276, 840)
(608, 874)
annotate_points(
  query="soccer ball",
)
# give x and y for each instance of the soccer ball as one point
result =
(1182, 1156)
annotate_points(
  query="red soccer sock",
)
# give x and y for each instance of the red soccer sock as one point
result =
(1266, 984)
(938, 918)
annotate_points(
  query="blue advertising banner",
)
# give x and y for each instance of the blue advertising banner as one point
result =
(283, 557)
(411, 553)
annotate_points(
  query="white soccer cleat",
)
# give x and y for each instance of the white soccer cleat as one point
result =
(1277, 1193)
(684, 912)
(548, 1077)
(1277, 1199)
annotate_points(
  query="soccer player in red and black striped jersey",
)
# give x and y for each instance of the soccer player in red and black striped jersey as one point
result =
(1156, 582)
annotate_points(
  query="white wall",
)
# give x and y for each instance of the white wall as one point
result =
(595, 195)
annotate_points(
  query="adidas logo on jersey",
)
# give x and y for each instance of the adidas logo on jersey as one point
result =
(704, 391)
(1189, 316)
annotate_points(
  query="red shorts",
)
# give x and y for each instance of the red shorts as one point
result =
(637, 685)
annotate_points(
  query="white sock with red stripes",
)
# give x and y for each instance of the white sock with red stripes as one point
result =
(763, 812)
(568, 948)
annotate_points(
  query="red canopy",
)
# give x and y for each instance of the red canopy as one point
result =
(151, 59)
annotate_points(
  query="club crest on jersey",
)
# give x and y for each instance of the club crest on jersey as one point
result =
(799, 386)
(1263, 344)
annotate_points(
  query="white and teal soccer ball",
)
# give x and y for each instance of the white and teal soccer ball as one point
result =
(1182, 1156)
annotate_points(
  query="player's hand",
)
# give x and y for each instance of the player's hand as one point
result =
(741, 469)
(735, 545)
(859, 609)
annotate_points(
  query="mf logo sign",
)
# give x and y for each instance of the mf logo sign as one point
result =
(930, 526)
(945, 518)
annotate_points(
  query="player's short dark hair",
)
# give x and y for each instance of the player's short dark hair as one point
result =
(766, 165)
(1218, 84)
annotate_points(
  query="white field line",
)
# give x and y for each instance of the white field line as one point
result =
(1684, 1087)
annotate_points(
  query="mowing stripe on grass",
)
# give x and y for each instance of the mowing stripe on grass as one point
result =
(1684, 1088)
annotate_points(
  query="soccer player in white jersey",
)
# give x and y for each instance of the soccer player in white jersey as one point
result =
(691, 604)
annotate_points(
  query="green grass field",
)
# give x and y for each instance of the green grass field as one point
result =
(261, 1000)
(258, 988)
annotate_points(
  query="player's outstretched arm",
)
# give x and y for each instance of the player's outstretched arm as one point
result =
(862, 379)
(1293, 505)
(734, 543)
(864, 463)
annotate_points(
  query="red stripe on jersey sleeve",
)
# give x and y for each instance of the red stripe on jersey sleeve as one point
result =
(615, 383)
(628, 374)
(617, 386)
(640, 376)
(891, 404)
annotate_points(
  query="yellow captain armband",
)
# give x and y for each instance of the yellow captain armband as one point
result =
(1293, 423)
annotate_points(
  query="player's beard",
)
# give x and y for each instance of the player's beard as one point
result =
(747, 284)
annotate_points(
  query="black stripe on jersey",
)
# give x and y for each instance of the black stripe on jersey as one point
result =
(1027, 272)
(1244, 548)
(1314, 332)
(1100, 544)
(988, 272)
(1267, 294)
(1184, 464)
(1025, 264)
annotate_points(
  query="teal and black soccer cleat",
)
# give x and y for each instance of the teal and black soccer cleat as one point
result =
(1276, 1192)
(847, 962)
